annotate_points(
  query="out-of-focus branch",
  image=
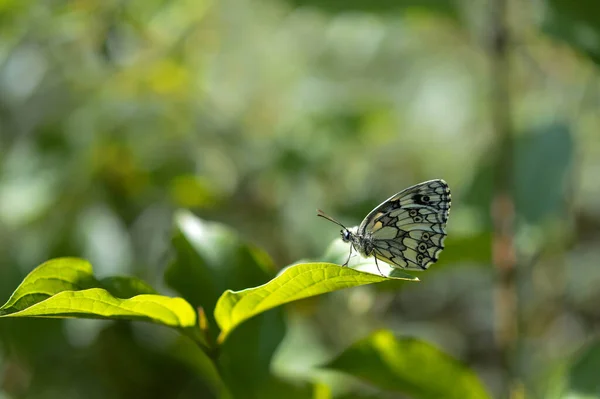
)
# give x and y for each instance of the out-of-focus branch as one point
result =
(503, 207)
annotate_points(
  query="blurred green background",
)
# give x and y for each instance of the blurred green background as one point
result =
(114, 114)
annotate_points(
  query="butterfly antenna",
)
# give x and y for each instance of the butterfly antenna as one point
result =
(325, 216)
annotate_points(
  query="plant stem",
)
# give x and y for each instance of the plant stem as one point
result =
(503, 207)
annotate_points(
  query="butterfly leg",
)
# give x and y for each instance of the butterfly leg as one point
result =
(378, 269)
(349, 256)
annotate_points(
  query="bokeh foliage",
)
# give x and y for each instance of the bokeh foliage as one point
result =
(114, 114)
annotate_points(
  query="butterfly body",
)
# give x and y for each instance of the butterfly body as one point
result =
(362, 244)
(407, 230)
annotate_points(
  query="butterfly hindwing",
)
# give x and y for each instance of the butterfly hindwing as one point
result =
(409, 228)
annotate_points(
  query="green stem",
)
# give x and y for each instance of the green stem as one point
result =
(503, 207)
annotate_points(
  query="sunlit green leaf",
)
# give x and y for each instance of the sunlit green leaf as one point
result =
(50, 278)
(296, 282)
(66, 287)
(410, 366)
(98, 303)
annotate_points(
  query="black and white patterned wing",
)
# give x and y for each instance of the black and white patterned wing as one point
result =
(408, 229)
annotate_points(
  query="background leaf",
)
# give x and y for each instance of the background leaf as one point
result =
(126, 287)
(408, 365)
(576, 23)
(543, 158)
(208, 259)
(441, 6)
(476, 248)
(582, 375)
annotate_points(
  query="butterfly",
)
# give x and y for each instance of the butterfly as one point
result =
(406, 231)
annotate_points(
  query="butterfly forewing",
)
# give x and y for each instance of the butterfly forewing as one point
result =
(409, 228)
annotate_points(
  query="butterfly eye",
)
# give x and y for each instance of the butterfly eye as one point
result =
(413, 213)
(425, 198)
(425, 236)
(345, 235)
(418, 219)
(422, 247)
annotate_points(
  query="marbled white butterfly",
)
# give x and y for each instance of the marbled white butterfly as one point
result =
(407, 230)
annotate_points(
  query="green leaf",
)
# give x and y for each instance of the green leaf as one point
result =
(139, 369)
(358, 396)
(381, 6)
(543, 157)
(476, 248)
(576, 23)
(210, 258)
(197, 360)
(277, 388)
(410, 366)
(295, 282)
(583, 374)
(245, 358)
(50, 278)
(126, 287)
(66, 287)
